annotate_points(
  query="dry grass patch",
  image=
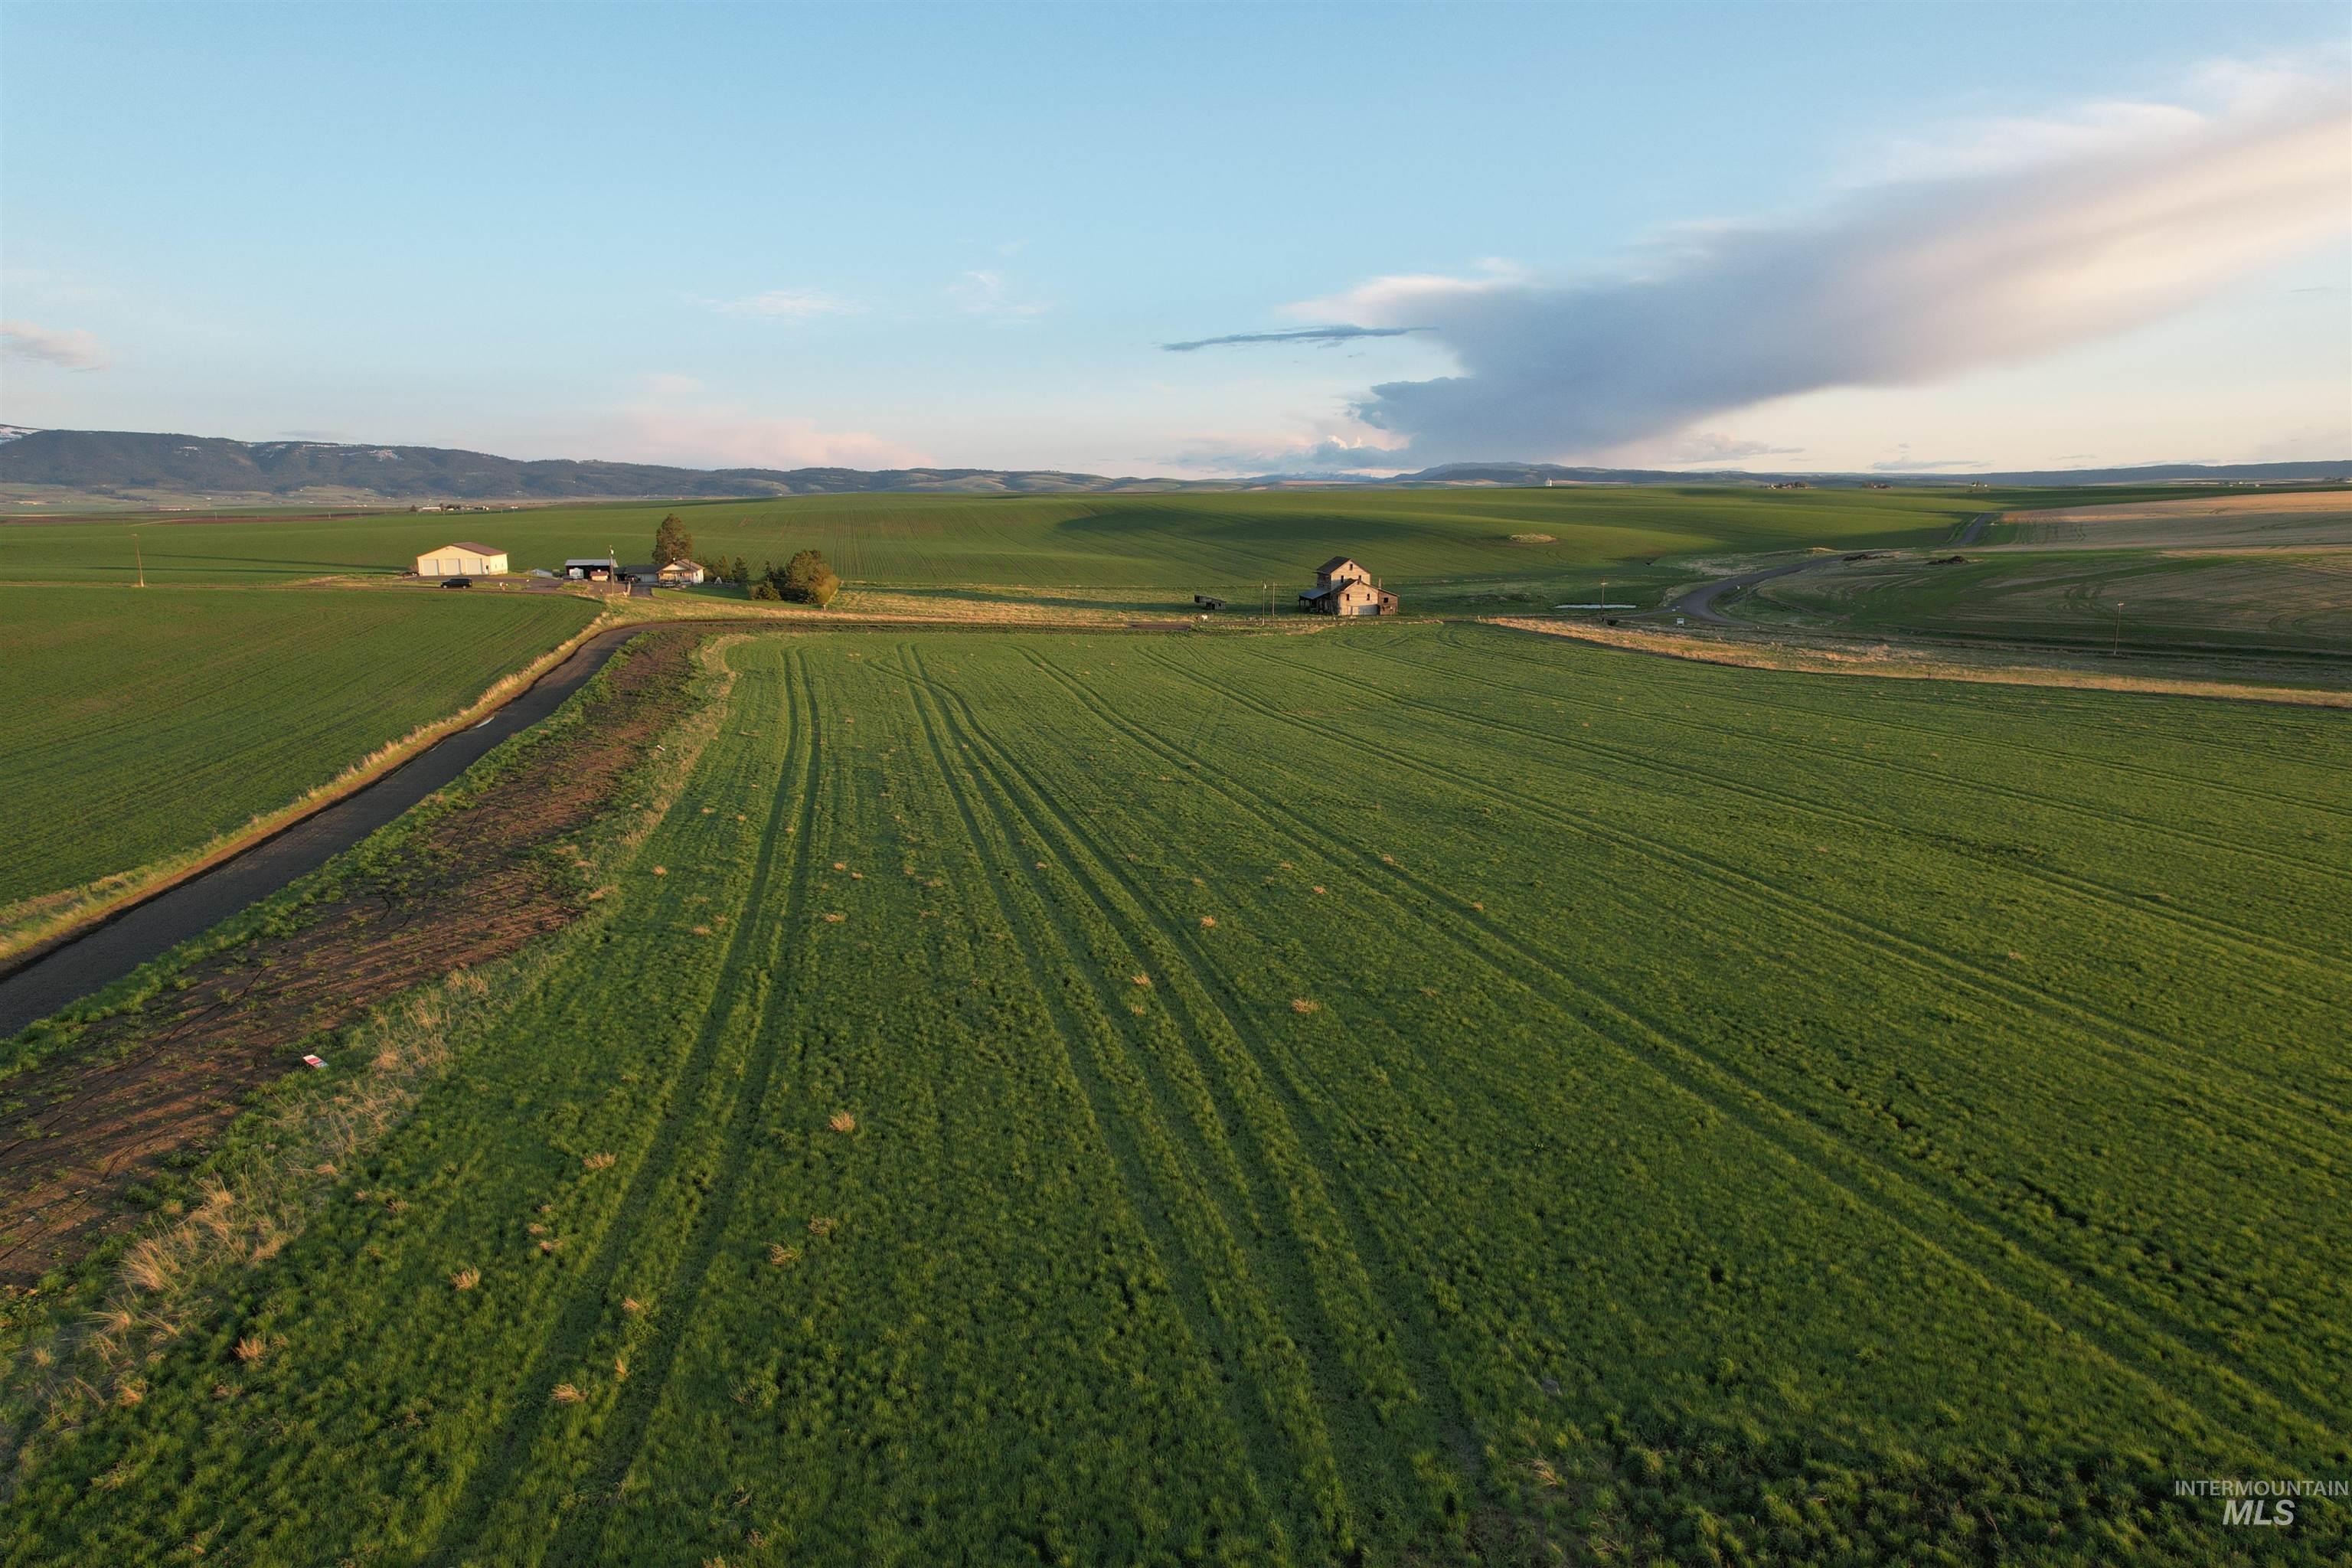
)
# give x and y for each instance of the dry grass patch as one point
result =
(252, 1348)
(599, 1162)
(465, 1279)
(842, 1121)
(1301, 1005)
(783, 1257)
(565, 1393)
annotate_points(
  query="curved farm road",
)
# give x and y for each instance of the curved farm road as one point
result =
(105, 953)
(1699, 603)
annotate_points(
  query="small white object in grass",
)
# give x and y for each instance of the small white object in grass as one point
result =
(313, 1061)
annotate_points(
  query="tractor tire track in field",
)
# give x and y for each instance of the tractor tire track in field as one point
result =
(1274, 1067)
(1268, 1275)
(1556, 970)
(2006, 744)
(2318, 1112)
(1982, 980)
(1840, 925)
(506, 1458)
(1832, 923)
(1121, 1136)
(2079, 888)
(1795, 1134)
(581, 1536)
(1244, 1071)
(2072, 883)
(1942, 778)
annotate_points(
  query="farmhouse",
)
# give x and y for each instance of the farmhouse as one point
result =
(462, 559)
(682, 572)
(1343, 588)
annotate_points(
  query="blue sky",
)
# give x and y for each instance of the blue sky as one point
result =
(875, 234)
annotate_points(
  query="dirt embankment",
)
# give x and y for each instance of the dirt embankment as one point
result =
(146, 1090)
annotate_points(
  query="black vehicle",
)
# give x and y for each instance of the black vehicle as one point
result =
(457, 582)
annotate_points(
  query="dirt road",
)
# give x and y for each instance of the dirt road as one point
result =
(1699, 603)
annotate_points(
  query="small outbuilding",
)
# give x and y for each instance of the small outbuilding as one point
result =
(462, 559)
(591, 569)
(1343, 588)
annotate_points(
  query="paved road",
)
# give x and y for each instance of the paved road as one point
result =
(104, 953)
(1699, 603)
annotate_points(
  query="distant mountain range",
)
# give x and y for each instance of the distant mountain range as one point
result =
(120, 467)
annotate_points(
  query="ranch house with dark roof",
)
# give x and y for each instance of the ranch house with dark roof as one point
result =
(1343, 588)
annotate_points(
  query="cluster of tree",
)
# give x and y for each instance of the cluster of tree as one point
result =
(805, 579)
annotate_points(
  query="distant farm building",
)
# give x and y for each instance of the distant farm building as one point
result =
(1343, 588)
(463, 560)
(678, 571)
(591, 569)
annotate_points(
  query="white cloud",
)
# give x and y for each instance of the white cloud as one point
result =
(2030, 241)
(1331, 446)
(67, 348)
(986, 293)
(786, 304)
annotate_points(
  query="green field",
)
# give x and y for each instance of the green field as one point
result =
(142, 724)
(1386, 1096)
(1448, 547)
(2274, 602)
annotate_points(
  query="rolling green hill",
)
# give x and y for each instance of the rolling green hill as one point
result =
(1165, 546)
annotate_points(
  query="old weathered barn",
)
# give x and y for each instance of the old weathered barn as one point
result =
(1343, 588)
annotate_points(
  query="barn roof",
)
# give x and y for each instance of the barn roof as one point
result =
(476, 548)
(1336, 562)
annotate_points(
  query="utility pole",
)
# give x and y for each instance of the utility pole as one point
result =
(140, 555)
(2117, 651)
